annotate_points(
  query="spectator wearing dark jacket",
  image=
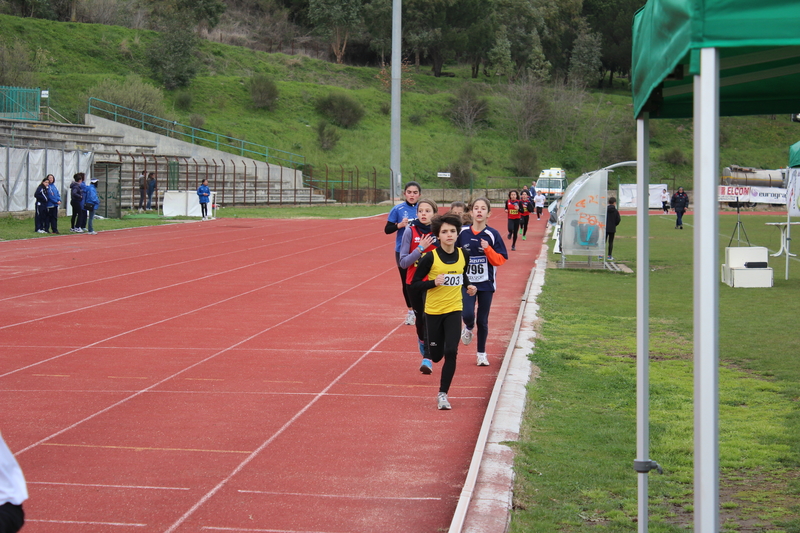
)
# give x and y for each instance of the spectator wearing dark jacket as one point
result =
(41, 221)
(78, 220)
(680, 203)
(91, 202)
(612, 221)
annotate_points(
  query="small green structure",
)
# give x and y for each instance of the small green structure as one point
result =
(20, 103)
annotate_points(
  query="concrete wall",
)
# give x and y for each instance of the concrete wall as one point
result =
(174, 147)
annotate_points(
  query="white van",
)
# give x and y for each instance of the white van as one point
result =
(552, 183)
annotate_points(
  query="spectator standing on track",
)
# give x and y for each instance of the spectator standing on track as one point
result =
(525, 209)
(532, 189)
(512, 208)
(486, 252)
(538, 203)
(13, 491)
(418, 241)
(76, 190)
(441, 274)
(152, 183)
(612, 220)
(41, 218)
(665, 201)
(204, 193)
(91, 202)
(680, 203)
(400, 217)
(53, 201)
(142, 182)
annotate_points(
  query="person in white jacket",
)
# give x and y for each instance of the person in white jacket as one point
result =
(13, 491)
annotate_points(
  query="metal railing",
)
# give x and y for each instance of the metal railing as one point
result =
(19, 103)
(190, 134)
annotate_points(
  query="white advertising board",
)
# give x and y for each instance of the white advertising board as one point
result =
(627, 196)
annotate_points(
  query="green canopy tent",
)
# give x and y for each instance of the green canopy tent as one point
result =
(794, 155)
(701, 59)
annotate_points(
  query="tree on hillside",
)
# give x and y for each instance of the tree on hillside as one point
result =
(337, 19)
(612, 19)
(191, 12)
(584, 63)
(560, 21)
(378, 23)
(171, 56)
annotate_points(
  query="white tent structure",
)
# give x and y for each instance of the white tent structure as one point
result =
(703, 58)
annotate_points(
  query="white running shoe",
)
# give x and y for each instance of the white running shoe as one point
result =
(411, 318)
(466, 336)
(95, 233)
(482, 359)
(442, 401)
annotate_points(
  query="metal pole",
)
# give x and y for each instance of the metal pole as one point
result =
(642, 464)
(397, 60)
(706, 294)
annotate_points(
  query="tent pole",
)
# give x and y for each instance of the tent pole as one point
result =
(706, 294)
(642, 464)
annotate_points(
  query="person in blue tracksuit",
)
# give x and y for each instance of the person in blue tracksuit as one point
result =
(400, 217)
(91, 202)
(53, 202)
(151, 188)
(204, 193)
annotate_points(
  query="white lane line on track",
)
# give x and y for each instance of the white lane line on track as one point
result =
(249, 530)
(283, 428)
(116, 524)
(192, 281)
(343, 496)
(261, 393)
(145, 270)
(209, 358)
(132, 487)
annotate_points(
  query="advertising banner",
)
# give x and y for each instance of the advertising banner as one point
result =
(793, 192)
(627, 196)
(752, 195)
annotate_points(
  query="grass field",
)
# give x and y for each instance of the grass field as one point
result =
(574, 468)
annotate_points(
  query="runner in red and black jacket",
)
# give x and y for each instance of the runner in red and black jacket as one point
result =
(512, 207)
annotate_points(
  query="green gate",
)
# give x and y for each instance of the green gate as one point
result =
(173, 172)
(109, 189)
(20, 104)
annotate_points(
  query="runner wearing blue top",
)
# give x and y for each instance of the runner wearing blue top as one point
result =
(400, 217)
(486, 252)
(203, 193)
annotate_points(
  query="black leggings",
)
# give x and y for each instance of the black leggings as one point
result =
(610, 242)
(523, 225)
(484, 299)
(444, 332)
(12, 518)
(513, 229)
(204, 209)
(403, 272)
(418, 304)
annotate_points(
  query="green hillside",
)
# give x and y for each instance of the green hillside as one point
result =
(582, 130)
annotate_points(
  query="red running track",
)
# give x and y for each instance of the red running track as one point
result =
(234, 376)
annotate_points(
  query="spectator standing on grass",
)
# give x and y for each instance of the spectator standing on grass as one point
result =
(418, 241)
(612, 220)
(441, 274)
(679, 203)
(41, 218)
(400, 217)
(13, 491)
(91, 202)
(203, 194)
(538, 202)
(665, 201)
(142, 182)
(76, 190)
(151, 188)
(53, 202)
(486, 252)
(512, 208)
